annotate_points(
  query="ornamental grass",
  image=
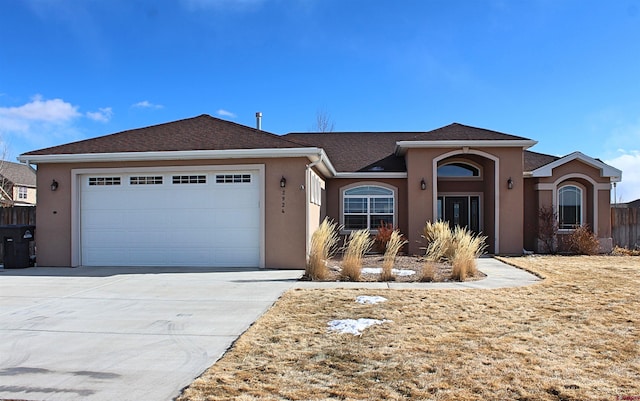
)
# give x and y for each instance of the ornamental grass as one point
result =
(323, 247)
(394, 244)
(358, 244)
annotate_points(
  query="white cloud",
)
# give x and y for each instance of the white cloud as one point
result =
(629, 162)
(53, 111)
(103, 114)
(225, 113)
(40, 123)
(145, 104)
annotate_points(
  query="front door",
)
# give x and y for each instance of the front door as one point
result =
(456, 210)
(463, 211)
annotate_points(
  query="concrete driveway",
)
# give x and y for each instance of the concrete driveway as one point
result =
(123, 333)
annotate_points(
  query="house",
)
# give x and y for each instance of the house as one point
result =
(208, 192)
(18, 184)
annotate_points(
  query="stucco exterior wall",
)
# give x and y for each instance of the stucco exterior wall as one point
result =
(285, 226)
(530, 214)
(596, 197)
(504, 228)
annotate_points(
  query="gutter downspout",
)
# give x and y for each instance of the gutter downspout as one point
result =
(307, 182)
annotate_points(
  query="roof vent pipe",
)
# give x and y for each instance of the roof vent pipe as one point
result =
(259, 121)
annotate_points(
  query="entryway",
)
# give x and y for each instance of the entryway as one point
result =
(460, 210)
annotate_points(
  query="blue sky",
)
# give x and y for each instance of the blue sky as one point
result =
(565, 73)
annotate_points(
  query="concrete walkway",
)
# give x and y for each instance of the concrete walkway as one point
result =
(499, 275)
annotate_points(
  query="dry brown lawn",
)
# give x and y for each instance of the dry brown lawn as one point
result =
(573, 336)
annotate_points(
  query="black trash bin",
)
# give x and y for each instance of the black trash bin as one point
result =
(16, 239)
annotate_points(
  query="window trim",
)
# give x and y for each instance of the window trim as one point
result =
(394, 197)
(582, 191)
(23, 192)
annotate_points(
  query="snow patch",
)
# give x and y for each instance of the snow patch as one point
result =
(352, 326)
(397, 272)
(370, 299)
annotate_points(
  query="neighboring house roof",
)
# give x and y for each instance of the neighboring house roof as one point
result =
(19, 174)
(632, 204)
(198, 133)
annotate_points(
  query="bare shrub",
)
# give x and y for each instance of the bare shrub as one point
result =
(383, 236)
(548, 229)
(439, 239)
(583, 241)
(394, 244)
(468, 247)
(619, 251)
(323, 247)
(358, 244)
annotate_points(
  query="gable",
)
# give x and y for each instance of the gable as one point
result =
(604, 170)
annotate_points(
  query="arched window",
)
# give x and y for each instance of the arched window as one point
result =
(366, 206)
(458, 169)
(569, 207)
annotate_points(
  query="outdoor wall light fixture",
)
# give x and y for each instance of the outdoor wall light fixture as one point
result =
(54, 185)
(283, 182)
(423, 184)
(510, 183)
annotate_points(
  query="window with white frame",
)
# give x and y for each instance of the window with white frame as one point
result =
(368, 206)
(569, 207)
(22, 192)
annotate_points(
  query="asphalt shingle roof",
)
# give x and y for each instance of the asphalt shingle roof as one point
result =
(363, 151)
(18, 174)
(198, 133)
(358, 151)
(348, 151)
(534, 160)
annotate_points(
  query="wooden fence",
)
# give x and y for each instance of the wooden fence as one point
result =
(18, 215)
(625, 227)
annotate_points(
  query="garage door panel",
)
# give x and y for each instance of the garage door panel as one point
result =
(230, 219)
(236, 257)
(207, 224)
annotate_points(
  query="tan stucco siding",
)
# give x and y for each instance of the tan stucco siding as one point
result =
(504, 229)
(531, 207)
(596, 196)
(53, 225)
(511, 207)
(284, 233)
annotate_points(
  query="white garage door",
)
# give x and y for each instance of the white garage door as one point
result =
(170, 219)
